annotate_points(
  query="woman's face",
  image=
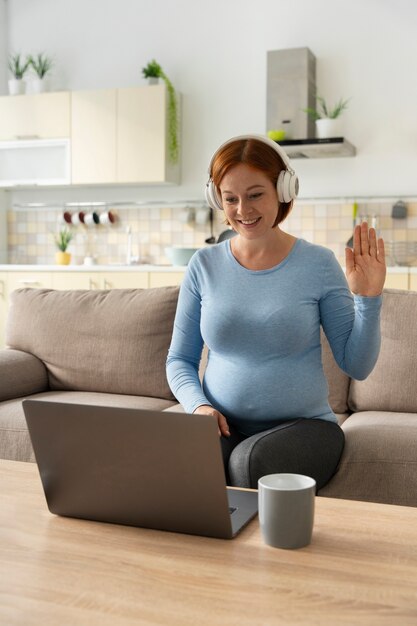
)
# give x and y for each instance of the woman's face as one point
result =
(249, 200)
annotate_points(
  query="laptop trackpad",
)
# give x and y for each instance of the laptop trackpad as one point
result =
(243, 506)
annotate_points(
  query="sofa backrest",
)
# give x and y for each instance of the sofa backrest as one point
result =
(392, 385)
(112, 341)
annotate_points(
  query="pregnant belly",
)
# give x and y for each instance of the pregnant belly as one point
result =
(270, 391)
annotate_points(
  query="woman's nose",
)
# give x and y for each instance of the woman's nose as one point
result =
(243, 205)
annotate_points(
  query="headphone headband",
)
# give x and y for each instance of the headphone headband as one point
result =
(287, 183)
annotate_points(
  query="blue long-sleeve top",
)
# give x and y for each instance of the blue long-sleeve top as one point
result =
(262, 330)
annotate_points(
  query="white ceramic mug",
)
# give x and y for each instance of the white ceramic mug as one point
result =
(90, 219)
(286, 509)
(107, 217)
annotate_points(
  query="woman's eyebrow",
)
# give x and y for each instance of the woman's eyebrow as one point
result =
(248, 189)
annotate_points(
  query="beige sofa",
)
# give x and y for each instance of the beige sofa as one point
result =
(109, 347)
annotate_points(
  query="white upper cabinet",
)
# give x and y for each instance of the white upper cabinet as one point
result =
(142, 136)
(37, 116)
(116, 136)
(93, 136)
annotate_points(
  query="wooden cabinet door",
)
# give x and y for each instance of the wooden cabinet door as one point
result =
(141, 134)
(36, 280)
(72, 280)
(43, 116)
(396, 281)
(412, 282)
(93, 136)
(165, 279)
(121, 280)
(3, 306)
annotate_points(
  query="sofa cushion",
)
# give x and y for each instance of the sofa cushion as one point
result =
(379, 462)
(15, 442)
(21, 373)
(392, 385)
(113, 341)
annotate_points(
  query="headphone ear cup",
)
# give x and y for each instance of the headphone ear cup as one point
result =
(212, 197)
(287, 186)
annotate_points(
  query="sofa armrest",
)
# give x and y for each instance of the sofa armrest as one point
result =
(21, 374)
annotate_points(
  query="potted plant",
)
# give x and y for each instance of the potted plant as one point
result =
(327, 118)
(41, 65)
(18, 69)
(62, 241)
(153, 71)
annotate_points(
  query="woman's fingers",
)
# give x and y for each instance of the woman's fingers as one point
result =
(373, 250)
(223, 425)
(365, 241)
(381, 250)
(364, 238)
(207, 409)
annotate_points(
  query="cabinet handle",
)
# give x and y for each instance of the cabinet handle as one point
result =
(28, 282)
(2, 294)
(92, 284)
(26, 137)
(106, 284)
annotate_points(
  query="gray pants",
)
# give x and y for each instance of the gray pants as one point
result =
(299, 446)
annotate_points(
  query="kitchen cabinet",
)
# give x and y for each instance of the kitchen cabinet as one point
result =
(93, 136)
(413, 282)
(142, 136)
(396, 281)
(71, 280)
(3, 306)
(120, 136)
(165, 279)
(37, 116)
(34, 280)
(120, 280)
(100, 280)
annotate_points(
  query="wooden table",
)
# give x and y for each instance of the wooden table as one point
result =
(361, 568)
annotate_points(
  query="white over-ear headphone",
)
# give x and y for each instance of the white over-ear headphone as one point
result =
(287, 183)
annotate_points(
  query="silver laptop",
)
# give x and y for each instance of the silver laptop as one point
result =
(143, 468)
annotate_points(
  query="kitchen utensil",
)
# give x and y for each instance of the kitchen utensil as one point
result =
(212, 238)
(402, 253)
(226, 234)
(107, 217)
(399, 210)
(349, 243)
(180, 255)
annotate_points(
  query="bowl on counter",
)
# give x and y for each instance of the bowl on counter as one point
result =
(180, 255)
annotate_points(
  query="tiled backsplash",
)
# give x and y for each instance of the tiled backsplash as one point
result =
(31, 241)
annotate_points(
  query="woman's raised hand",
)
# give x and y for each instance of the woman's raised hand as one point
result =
(365, 264)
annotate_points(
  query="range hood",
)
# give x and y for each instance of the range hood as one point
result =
(318, 148)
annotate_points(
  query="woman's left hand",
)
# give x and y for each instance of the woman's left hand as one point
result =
(365, 264)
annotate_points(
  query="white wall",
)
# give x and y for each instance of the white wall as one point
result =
(215, 54)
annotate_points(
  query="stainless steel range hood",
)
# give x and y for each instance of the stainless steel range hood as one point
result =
(318, 148)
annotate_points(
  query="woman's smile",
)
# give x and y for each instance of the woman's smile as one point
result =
(249, 223)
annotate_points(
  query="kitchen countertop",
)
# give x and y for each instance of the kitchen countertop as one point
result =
(91, 268)
(135, 268)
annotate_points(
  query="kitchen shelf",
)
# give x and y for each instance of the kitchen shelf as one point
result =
(318, 148)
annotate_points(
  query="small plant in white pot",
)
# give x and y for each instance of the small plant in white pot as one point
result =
(18, 69)
(328, 123)
(41, 65)
(62, 241)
